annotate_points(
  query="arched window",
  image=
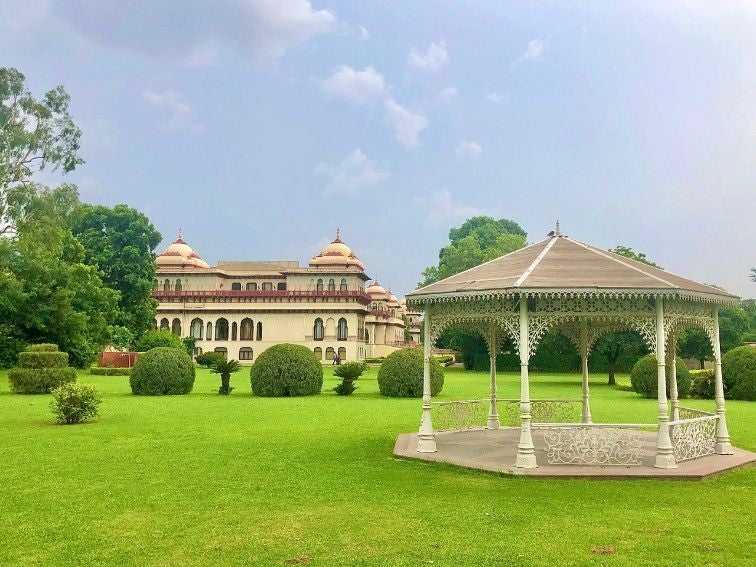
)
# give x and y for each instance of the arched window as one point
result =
(167, 285)
(178, 286)
(267, 286)
(164, 324)
(329, 353)
(155, 284)
(236, 286)
(318, 353)
(195, 328)
(176, 327)
(197, 351)
(319, 286)
(342, 331)
(342, 354)
(318, 330)
(245, 353)
(247, 330)
(343, 286)
(222, 350)
(251, 286)
(281, 286)
(331, 285)
(367, 336)
(221, 329)
(209, 333)
(234, 328)
(259, 330)
(312, 285)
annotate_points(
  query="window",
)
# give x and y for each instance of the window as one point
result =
(267, 286)
(342, 354)
(222, 350)
(251, 286)
(319, 286)
(245, 353)
(318, 353)
(367, 336)
(329, 353)
(318, 330)
(178, 286)
(259, 330)
(167, 285)
(197, 351)
(164, 324)
(236, 286)
(155, 284)
(331, 285)
(247, 330)
(342, 332)
(281, 286)
(209, 334)
(233, 331)
(195, 328)
(343, 286)
(221, 329)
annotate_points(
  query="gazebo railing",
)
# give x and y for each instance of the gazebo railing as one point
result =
(694, 435)
(460, 415)
(473, 414)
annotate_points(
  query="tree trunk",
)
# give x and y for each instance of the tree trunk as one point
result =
(701, 363)
(225, 383)
(612, 369)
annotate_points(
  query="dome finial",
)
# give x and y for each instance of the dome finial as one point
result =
(557, 232)
(180, 234)
(338, 234)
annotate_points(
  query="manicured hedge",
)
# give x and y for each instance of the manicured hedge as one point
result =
(208, 359)
(42, 347)
(109, 371)
(162, 371)
(286, 370)
(739, 373)
(643, 377)
(42, 359)
(41, 368)
(401, 374)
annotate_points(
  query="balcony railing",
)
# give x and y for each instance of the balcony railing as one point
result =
(199, 294)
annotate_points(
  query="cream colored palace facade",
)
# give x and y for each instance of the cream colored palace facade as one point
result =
(242, 308)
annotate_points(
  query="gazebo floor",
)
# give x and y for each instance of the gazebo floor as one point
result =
(496, 451)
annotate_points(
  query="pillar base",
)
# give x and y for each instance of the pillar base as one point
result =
(493, 423)
(526, 460)
(426, 444)
(665, 462)
(723, 448)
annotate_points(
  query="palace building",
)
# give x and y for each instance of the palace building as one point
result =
(240, 308)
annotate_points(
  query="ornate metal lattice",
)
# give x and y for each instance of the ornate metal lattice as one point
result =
(694, 435)
(543, 411)
(460, 415)
(477, 315)
(591, 445)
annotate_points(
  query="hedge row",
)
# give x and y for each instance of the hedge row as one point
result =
(546, 362)
(42, 359)
(109, 371)
(39, 380)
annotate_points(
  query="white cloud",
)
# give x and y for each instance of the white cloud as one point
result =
(448, 94)
(443, 211)
(535, 49)
(468, 149)
(497, 98)
(434, 58)
(181, 117)
(363, 33)
(355, 173)
(357, 87)
(406, 124)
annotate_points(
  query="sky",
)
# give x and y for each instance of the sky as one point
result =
(260, 126)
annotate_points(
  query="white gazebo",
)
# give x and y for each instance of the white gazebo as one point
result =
(584, 292)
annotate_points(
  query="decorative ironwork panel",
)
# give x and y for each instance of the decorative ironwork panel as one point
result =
(478, 316)
(694, 435)
(587, 445)
(543, 411)
(472, 414)
(690, 413)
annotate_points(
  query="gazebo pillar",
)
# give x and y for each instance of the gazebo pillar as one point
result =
(722, 446)
(526, 458)
(426, 438)
(665, 458)
(586, 413)
(673, 398)
(493, 413)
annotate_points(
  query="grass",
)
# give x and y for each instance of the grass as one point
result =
(213, 480)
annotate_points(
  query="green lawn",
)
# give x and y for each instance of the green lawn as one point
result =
(210, 480)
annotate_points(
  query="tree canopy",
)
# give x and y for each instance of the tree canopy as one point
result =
(628, 252)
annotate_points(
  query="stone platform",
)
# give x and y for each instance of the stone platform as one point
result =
(496, 450)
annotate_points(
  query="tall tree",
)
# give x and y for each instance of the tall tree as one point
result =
(34, 135)
(752, 275)
(628, 252)
(119, 241)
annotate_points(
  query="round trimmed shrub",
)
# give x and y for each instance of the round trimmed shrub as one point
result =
(41, 369)
(208, 359)
(74, 403)
(739, 373)
(401, 374)
(162, 371)
(286, 370)
(644, 380)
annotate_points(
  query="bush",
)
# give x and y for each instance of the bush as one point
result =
(348, 372)
(162, 371)
(109, 371)
(41, 368)
(644, 381)
(208, 359)
(401, 374)
(158, 338)
(739, 373)
(225, 368)
(286, 370)
(73, 403)
(703, 384)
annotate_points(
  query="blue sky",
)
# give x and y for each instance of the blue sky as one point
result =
(259, 126)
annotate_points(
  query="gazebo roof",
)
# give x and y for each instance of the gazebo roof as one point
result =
(560, 264)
